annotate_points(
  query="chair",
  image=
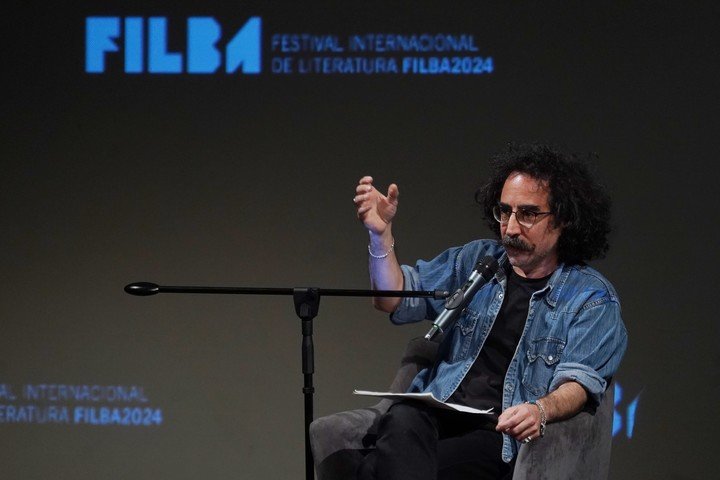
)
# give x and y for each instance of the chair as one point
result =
(577, 448)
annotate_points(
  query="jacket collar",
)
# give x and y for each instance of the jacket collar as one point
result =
(554, 286)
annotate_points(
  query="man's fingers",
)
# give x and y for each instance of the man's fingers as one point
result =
(506, 419)
(522, 429)
(370, 203)
(360, 198)
(522, 433)
(393, 193)
(510, 418)
(363, 188)
(519, 423)
(530, 433)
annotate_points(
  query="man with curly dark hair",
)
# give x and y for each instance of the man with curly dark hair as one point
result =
(578, 203)
(538, 343)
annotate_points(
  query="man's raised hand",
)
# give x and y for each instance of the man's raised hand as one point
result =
(374, 209)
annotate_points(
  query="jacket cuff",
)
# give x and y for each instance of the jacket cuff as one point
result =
(410, 309)
(590, 380)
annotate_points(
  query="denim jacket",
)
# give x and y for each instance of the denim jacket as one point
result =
(573, 330)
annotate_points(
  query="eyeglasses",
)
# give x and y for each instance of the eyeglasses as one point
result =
(526, 218)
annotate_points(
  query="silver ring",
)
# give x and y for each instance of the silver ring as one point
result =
(527, 440)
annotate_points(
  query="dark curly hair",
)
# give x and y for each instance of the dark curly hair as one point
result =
(579, 203)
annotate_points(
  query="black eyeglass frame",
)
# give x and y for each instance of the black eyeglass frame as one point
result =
(526, 218)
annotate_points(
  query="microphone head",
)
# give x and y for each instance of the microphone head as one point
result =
(487, 267)
(142, 289)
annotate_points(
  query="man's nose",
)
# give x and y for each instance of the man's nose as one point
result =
(513, 227)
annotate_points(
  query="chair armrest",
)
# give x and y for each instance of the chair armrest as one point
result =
(578, 447)
(350, 430)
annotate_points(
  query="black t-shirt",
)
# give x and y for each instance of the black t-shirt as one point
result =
(482, 386)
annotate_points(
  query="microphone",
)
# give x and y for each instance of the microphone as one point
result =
(485, 269)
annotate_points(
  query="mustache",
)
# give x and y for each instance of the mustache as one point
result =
(515, 242)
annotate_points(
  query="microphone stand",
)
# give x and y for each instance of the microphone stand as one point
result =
(307, 304)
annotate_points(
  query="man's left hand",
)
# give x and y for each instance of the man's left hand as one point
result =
(521, 422)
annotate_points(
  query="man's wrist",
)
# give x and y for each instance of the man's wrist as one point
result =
(543, 415)
(384, 254)
(381, 242)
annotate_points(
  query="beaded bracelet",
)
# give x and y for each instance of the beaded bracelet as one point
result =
(383, 255)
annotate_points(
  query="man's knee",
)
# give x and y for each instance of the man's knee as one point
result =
(407, 418)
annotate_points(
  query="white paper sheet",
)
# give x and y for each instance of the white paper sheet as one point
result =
(427, 398)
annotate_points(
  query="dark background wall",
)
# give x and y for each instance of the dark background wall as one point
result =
(247, 180)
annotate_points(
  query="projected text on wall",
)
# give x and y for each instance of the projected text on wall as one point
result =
(141, 46)
(97, 405)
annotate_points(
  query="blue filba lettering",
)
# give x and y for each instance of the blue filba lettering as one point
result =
(134, 45)
(145, 46)
(100, 35)
(159, 59)
(203, 34)
(244, 48)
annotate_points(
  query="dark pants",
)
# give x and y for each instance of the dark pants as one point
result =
(418, 442)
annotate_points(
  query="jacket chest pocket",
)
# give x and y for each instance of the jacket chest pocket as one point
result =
(543, 356)
(463, 334)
